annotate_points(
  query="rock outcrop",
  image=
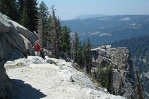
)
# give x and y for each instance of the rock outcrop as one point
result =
(7, 88)
(15, 42)
(122, 69)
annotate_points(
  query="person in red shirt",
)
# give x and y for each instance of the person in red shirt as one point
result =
(37, 48)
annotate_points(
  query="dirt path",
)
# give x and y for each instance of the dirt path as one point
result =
(49, 81)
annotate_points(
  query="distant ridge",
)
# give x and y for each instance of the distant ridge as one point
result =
(86, 16)
(110, 28)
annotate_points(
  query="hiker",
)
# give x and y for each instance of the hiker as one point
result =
(37, 48)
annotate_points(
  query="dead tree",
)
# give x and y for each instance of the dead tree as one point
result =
(139, 93)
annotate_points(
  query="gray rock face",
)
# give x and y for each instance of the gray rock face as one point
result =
(28, 46)
(122, 70)
(7, 88)
(4, 26)
(15, 42)
(25, 32)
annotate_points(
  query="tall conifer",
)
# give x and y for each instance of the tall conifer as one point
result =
(65, 45)
(32, 11)
(76, 48)
(9, 8)
(44, 14)
(54, 33)
(88, 56)
(24, 20)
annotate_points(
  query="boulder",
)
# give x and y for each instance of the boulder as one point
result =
(7, 88)
(4, 25)
(16, 41)
(12, 46)
(25, 32)
(28, 46)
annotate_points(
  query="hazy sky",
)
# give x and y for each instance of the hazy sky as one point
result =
(69, 9)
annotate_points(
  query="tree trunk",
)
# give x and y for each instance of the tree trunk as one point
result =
(139, 93)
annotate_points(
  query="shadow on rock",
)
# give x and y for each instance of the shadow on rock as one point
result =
(26, 91)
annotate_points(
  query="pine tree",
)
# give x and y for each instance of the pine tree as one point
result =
(40, 30)
(23, 15)
(21, 4)
(65, 45)
(54, 33)
(139, 91)
(88, 56)
(24, 20)
(9, 8)
(80, 56)
(44, 13)
(84, 54)
(32, 11)
(72, 50)
(76, 48)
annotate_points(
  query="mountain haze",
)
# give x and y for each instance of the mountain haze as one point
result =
(86, 16)
(107, 29)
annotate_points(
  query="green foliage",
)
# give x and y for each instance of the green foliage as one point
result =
(104, 74)
(103, 78)
(82, 54)
(76, 48)
(9, 8)
(23, 15)
(44, 14)
(24, 20)
(65, 45)
(54, 34)
(88, 56)
(139, 49)
(32, 11)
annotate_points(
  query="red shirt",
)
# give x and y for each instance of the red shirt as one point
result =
(37, 46)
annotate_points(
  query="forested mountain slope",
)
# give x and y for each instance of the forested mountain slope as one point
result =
(110, 28)
(139, 49)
